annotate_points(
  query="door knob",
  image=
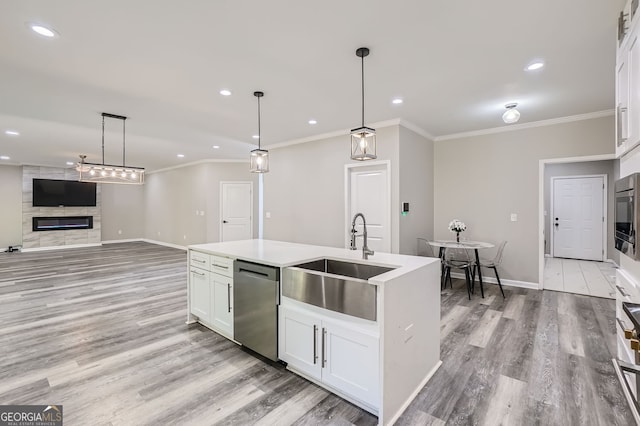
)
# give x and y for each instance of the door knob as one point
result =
(224, 221)
(556, 224)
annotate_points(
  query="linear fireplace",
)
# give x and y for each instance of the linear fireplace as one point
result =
(62, 223)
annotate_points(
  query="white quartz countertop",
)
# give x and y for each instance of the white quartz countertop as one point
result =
(281, 254)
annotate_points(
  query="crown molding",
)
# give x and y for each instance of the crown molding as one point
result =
(195, 163)
(514, 127)
(344, 132)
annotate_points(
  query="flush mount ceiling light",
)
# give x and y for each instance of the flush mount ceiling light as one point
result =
(180, 155)
(42, 30)
(259, 157)
(313, 121)
(216, 147)
(511, 115)
(70, 163)
(397, 101)
(363, 139)
(4, 157)
(109, 173)
(12, 133)
(225, 92)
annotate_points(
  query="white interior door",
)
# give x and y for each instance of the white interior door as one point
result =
(577, 219)
(369, 195)
(236, 206)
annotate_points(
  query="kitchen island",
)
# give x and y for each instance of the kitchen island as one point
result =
(379, 358)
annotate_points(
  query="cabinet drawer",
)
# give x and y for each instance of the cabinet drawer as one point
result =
(200, 260)
(222, 265)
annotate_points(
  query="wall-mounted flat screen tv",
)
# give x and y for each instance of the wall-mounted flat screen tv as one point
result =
(68, 193)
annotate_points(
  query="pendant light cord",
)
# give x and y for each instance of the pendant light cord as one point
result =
(103, 139)
(258, 122)
(123, 146)
(362, 90)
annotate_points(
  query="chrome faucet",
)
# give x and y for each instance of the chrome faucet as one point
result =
(365, 250)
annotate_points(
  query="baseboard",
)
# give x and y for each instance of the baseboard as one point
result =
(127, 240)
(70, 246)
(547, 256)
(162, 243)
(417, 390)
(504, 282)
(613, 261)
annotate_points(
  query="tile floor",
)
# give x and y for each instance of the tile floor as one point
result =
(580, 277)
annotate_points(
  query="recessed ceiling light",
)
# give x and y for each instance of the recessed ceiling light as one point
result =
(4, 157)
(42, 30)
(256, 136)
(70, 163)
(536, 65)
(312, 121)
(180, 155)
(225, 92)
(12, 133)
(397, 101)
(216, 147)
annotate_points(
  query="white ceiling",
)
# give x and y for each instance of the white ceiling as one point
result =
(162, 63)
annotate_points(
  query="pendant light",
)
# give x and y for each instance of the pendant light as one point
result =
(108, 173)
(259, 157)
(511, 115)
(363, 139)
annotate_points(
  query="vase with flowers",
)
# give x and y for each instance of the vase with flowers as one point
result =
(457, 226)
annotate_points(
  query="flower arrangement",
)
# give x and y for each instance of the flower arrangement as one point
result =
(457, 226)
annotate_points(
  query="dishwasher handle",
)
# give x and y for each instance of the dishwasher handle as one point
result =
(256, 270)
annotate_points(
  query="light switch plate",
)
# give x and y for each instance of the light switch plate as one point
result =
(514, 217)
(267, 215)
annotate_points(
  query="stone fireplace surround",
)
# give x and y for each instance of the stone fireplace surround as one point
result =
(73, 237)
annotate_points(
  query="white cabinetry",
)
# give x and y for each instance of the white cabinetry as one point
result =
(199, 292)
(211, 291)
(628, 90)
(332, 352)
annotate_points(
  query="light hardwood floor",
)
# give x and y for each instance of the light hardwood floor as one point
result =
(102, 331)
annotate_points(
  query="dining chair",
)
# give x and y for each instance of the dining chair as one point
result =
(424, 248)
(458, 258)
(493, 264)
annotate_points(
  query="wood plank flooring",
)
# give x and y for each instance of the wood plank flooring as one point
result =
(102, 331)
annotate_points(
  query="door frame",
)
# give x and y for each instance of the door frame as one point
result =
(541, 219)
(222, 182)
(350, 167)
(604, 211)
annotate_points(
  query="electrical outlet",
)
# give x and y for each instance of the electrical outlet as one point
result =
(119, 231)
(158, 233)
(197, 212)
(268, 215)
(201, 212)
(184, 237)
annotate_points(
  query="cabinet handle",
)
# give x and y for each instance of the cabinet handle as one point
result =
(220, 266)
(622, 124)
(229, 297)
(198, 273)
(315, 344)
(199, 260)
(622, 292)
(324, 359)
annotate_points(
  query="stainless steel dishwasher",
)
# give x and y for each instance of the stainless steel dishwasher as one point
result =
(255, 301)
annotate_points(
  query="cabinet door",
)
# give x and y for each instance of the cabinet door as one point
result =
(631, 119)
(222, 304)
(199, 293)
(622, 104)
(299, 337)
(351, 362)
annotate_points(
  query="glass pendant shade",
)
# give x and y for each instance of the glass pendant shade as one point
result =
(363, 144)
(511, 115)
(259, 161)
(106, 173)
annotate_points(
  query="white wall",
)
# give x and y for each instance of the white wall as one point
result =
(304, 189)
(581, 169)
(10, 206)
(416, 188)
(481, 180)
(172, 197)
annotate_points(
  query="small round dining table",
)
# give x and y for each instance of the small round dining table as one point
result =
(467, 245)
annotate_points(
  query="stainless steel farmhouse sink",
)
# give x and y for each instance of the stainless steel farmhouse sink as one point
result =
(335, 285)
